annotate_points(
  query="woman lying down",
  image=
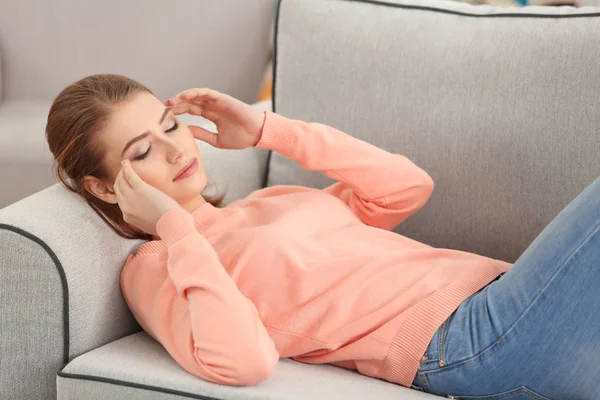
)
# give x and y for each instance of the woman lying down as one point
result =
(318, 275)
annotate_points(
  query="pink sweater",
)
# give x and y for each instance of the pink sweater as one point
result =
(292, 271)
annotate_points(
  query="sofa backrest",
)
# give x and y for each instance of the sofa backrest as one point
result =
(499, 106)
(168, 46)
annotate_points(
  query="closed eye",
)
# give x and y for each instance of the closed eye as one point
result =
(142, 156)
(173, 128)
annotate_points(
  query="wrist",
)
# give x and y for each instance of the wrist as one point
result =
(166, 208)
(174, 225)
(263, 117)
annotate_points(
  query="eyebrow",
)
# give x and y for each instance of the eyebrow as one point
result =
(145, 134)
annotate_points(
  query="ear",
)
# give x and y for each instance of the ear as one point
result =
(100, 189)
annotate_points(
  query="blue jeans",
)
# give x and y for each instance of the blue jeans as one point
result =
(534, 333)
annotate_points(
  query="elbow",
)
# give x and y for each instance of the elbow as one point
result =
(246, 371)
(425, 191)
(428, 186)
(255, 374)
(258, 364)
(428, 181)
(261, 368)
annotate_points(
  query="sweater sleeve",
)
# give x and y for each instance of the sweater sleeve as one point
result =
(381, 188)
(195, 310)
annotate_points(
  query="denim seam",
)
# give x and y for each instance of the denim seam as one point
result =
(567, 261)
(438, 354)
(509, 394)
(442, 341)
(534, 395)
(448, 367)
(423, 381)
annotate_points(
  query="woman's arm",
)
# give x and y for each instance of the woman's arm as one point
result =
(195, 310)
(381, 188)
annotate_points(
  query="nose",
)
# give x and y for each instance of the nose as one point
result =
(174, 150)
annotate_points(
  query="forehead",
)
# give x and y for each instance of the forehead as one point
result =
(129, 119)
(134, 116)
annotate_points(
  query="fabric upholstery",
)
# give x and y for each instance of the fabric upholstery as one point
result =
(137, 367)
(32, 337)
(67, 263)
(499, 106)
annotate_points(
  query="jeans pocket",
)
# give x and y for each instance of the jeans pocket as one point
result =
(520, 393)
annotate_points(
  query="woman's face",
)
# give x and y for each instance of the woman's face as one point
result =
(143, 130)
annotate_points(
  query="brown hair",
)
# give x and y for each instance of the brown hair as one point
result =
(76, 117)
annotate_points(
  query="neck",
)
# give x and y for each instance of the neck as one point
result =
(193, 204)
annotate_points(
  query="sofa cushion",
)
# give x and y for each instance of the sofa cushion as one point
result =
(138, 367)
(499, 106)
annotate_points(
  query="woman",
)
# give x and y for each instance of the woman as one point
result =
(317, 275)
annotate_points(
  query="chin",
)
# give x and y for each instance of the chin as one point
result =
(188, 189)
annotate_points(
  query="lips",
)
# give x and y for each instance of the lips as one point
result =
(185, 168)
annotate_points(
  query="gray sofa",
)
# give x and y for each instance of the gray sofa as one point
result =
(499, 106)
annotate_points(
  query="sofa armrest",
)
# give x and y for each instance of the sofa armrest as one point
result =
(59, 288)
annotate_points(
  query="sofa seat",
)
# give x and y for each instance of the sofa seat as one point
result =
(138, 367)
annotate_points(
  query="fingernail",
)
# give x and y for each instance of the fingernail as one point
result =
(122, 162)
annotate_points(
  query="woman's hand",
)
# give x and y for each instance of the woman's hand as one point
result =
(142, 204)
(238, 124)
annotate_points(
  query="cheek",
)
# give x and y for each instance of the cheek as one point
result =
(189, 140)
(153, 173)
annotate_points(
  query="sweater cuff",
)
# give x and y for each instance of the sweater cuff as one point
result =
(175, 224)
(278, 134)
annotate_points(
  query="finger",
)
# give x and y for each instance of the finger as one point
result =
(187, 108)
(130, 176)
(204, 135)
(203, 94)
(119, 189)
(121, 202)
(119, 179)
(195, 95)
(201, 111)
(121, 185)
(118, 192)
(182, 97)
